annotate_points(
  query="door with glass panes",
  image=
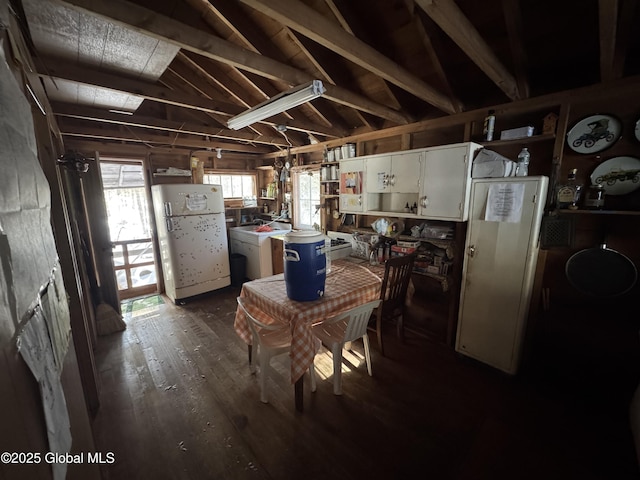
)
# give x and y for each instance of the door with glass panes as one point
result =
(128, 215)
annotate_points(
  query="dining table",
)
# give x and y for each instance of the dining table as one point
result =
(350, 282)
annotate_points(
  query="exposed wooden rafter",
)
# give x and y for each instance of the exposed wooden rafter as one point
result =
(435, 61)
(253, 38)
(307, 21)
(454, 23)
(513, 21)
(608, 18)
(98, 115)
(197, 41)
(122, 133)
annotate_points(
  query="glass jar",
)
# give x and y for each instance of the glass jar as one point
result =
(594, 198)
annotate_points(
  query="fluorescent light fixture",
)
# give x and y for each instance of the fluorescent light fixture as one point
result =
(121, 112)
(278, 104)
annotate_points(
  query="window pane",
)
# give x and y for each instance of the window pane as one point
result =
(225, 181)
(247, 186)
(118, 257)
(233, 186)
(140, 252)
(308, 199)
(127, 213)
(236, 185)
(141, 276)
(121, 279)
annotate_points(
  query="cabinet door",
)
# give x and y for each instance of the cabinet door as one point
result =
(498, 270)
(378, 175)
(405, 172)
(252, 252)
(253, 257)
(445, 183)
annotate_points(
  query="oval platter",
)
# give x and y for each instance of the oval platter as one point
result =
(618, 175)
(594, 133)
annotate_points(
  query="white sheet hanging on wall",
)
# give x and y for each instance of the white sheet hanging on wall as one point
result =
(35, 347)
(27, 247)
(28, 261)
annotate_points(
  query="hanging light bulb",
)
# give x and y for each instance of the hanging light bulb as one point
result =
(218, 153)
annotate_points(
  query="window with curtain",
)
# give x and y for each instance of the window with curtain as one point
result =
(306, 199)
(236, 185)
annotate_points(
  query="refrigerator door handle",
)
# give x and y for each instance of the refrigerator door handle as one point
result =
(167, 209)
(169, 223)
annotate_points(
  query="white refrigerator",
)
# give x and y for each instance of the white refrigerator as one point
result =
(192, 236)
(501, 252)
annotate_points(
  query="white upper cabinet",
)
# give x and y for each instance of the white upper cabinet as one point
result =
(394, 173)
(446, 180)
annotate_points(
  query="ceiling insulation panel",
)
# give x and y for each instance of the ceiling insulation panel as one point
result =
(64, 33)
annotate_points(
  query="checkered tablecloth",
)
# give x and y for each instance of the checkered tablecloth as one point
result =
(348, 285)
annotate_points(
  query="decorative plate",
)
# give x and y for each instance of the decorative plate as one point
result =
(618, 175)
(594, 133)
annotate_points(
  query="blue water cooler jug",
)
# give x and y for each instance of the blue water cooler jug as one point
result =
(305, 265)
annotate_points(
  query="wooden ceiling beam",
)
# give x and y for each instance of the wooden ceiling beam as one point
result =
(310, 23)
(608, 27)
(98, 78)
(253, 38)
(435, 61)
(355, 26)
(137, 136)
(515, 30)
(146, 21)
(241, 85)
(626, 27)
(320, 108)
(329, 69)
(457, 26)
(98, 115)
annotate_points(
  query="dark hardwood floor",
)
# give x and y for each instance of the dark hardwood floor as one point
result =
(178, 402)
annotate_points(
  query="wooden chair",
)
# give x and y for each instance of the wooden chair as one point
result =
(346, 327)
(269, 341)
(397, 274)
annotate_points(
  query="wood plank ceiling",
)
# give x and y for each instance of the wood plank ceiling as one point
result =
(182, 68)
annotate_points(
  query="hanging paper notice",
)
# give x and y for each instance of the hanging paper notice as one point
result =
(196, 202)
(504, 202)
(351, 183)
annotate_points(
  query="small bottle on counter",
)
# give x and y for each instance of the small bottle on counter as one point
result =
(406, 208)
(488, 126)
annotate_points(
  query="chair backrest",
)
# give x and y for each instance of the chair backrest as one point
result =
(254, 323)
(397, 273)
(357, 320)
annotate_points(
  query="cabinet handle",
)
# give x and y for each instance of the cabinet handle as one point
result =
(392, 180)
(359, 200)
(169, 223)
(385, 181)
(472, 250)
(167, 209)
(424, 201)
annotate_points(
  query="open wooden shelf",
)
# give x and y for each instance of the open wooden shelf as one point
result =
(519, 141)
